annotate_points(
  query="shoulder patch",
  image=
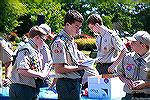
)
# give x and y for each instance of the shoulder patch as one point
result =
(58, 46)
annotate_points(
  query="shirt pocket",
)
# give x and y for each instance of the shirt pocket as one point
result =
(106, 46)
(129, 70)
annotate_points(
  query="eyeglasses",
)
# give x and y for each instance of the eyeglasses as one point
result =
(42, 37)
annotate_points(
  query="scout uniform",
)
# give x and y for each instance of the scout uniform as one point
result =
(24, 59)
(108, 45)
(5, 58)
(64, 50)
(45, 51)
(135, 68)
(5, 52)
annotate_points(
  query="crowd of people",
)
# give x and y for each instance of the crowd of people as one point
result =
(34, 60)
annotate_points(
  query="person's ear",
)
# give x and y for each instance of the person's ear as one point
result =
(97, 25)
(67, 24)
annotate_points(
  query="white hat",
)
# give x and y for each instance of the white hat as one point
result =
(141, 36)
(45, 29)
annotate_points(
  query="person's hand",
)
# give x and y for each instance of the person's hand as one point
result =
(129, 83)
(6, 82)
(80, 61)
(44, 75)
(82, 67)
(138, 85)
(111, 69)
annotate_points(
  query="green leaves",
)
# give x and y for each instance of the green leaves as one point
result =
(10, 11)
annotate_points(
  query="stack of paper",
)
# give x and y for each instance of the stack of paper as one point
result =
(88, 63)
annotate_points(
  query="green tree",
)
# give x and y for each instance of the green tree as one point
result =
(10, 11)
(54, 15)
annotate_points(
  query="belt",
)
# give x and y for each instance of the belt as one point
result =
(143, 95)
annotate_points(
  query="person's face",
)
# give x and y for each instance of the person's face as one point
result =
(136, 46)
(39, 41)
(94, 28)
(91, 27)
(74, 28)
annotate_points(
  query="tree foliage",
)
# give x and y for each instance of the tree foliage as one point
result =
(127, 15)
(52, 11)
(10, 11)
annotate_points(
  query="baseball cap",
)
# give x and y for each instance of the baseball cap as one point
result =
(45, 29)
(141, 36)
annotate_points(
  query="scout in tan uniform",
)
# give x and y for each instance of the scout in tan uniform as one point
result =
(135, 68)
(65, 58)
(28, 67)
(108, 45)
(6, 58)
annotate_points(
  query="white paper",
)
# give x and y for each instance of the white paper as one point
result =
(88, 63)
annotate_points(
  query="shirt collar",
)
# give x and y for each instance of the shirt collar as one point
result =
(146, 56)
(33, 44)
(66, 36)
(105, 30)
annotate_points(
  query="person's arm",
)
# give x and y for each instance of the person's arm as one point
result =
(147, 84)
(7, 60)
(8, 69)
(62, 68)
(119, 59)
(32, 73)
(128, 82)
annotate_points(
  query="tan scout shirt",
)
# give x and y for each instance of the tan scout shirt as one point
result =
(23, 60)
(5, 52)
(135, 69)
(45, 51)
(108, 45)
(60, 54)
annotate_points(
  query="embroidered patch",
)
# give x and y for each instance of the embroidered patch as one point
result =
(129, 67)
(56, 51)
(106, 80)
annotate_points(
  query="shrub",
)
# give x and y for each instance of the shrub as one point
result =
(86, 43)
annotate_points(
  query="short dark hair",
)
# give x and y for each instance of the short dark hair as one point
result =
(95, 18)
(72, 16)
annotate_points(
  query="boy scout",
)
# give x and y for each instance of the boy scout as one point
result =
(135, 67)
(28, 67)
(108, 45)
(65, 58)
(6, 58)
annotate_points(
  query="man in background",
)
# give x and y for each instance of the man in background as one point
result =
(109, 45)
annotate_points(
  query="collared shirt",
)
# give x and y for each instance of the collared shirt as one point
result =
(108, 45)
(5, 52)
(60, 54)
(23, 61)
(45, 51)
(135, 68)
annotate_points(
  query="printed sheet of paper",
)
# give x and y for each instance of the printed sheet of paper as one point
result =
(88, 63)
